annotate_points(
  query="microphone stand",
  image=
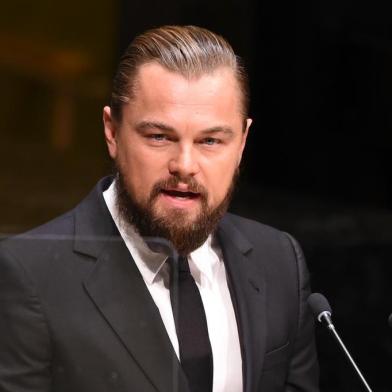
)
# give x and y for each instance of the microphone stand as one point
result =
(322, 311)
(331, 327)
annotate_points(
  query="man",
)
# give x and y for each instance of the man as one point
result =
(86, 301)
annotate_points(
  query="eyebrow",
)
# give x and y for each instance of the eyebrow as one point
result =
(144, 125)
(218, 129)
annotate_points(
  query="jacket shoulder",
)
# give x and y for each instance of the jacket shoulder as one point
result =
(252, 228)
(61, 226)
(265, 239)
(36, 247)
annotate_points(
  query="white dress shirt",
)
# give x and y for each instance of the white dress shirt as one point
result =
(208, 270)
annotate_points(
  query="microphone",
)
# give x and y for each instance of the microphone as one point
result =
(321, 309)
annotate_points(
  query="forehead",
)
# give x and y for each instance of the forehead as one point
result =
(155, 86)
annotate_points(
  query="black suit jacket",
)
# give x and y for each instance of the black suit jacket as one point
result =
(76, 316)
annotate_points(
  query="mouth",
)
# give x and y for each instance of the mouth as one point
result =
(180, 195)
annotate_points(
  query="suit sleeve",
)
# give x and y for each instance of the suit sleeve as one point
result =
(303, 369)
(24, 337)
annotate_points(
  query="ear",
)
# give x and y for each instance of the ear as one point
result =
(248, 123)
(110, 132)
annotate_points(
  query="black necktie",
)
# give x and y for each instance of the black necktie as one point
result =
(191, 325)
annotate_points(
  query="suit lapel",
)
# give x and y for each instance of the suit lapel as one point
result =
(247, 290)
(119, 292)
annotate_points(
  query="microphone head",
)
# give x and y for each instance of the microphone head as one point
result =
(318, 304)
(390, 320)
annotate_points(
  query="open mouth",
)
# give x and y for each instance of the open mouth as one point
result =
(181, 195)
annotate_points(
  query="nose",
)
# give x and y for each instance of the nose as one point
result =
(184, 162)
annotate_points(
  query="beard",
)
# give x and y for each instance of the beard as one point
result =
(174, 224)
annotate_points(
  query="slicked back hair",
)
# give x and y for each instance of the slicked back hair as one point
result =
(188, 50)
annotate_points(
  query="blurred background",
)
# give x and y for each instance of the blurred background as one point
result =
(318, 159)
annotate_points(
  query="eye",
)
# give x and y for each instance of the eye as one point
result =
(210, 141)
(157, 137)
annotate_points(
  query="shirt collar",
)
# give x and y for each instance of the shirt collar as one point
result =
(204, 260)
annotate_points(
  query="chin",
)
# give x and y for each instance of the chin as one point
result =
(181, 216)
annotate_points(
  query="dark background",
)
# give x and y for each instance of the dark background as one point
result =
(317, 163)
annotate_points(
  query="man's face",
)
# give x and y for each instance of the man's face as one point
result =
(179, 143)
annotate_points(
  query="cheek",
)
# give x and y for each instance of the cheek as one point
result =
(141, 171)
(220, 177)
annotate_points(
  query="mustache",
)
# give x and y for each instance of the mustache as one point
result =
(173, 181)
